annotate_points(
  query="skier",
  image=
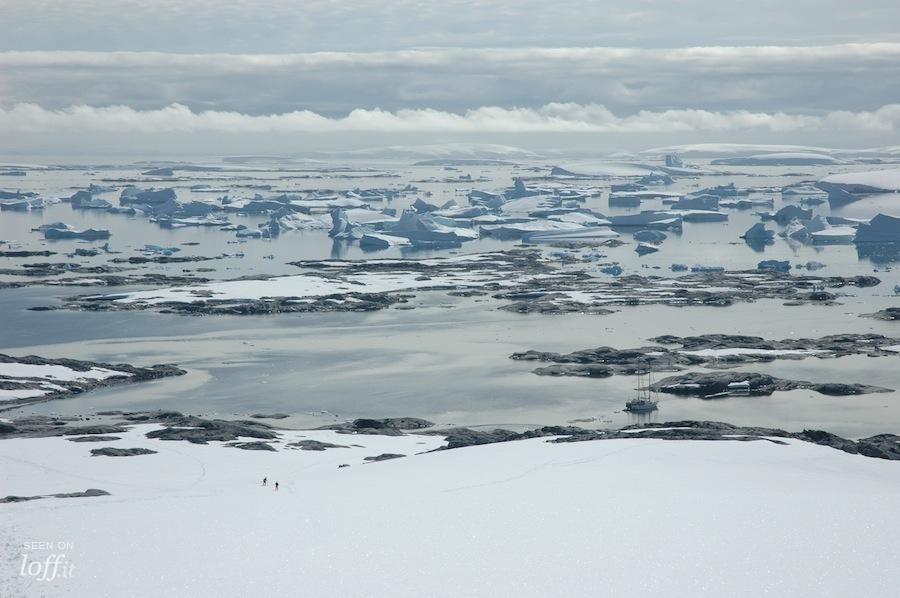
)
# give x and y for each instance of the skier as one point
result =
(276, 486)
(265, 481)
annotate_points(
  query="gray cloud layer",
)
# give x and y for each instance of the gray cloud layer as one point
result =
(281, 26)
(769, 78)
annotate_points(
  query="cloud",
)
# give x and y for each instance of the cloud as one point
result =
(290, 26)
(769, 78)
(550, 118)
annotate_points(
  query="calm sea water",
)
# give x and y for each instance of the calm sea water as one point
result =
(446, 360)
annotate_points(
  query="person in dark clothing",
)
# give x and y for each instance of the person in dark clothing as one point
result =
(265, 481)
(276, 486)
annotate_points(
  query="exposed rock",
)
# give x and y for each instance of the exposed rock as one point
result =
(385, 427)
(315, 445)
(723, 384)
(252, 446)
(710, 350)
(94, 438)
(121, 374)
(889, 314)
(87, 493)
(94, 429)
(383, 457)
(200, 431)
(109, 451)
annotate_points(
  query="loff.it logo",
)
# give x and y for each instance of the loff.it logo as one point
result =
(47, 561)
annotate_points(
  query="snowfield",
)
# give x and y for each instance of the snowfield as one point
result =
(628, 517)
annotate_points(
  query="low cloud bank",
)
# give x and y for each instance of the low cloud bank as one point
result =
(550, 118)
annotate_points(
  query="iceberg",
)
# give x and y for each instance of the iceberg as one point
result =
(833, 235)
(134, 195)
(881, 229)
(648, 219)
(758, 232)
(380, 241)
(728, 190)
(699, 215)
(588, 235)
(861, 183)
(461, 212)
(645, 248)
(776, 265)
(705, 201)
(580, 218)
(673, 161)
(69, 233)
(423, 228)
(795, 230)
(788, 213)
(83, 200)
(518, 230)
(650, 236)
(341, 227)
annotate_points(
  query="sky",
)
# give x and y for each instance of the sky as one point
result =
(287, 76)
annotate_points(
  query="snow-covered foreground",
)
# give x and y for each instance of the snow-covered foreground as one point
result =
(602, 518)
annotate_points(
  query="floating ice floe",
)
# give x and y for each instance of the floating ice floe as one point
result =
(650, 236)
(380, 241)
(645, 248)
(649, 219)
(758, 233)
(518, 230)
(788, 213)
(833, 235)
(70, 233)
(579, 218)
(697, 202)
(776, 265)
(699, 215)
(590, 234)
(423, 229)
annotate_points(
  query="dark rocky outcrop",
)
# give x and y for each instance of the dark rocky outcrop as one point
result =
(603, 362)
(200, 431)
(314, 445)
(888, 314)
(94, 439)
(94, 429)
(109, 451)
(392, 426)
(124, 374)
(723, 384)
(884, 446)
(252, 446)
(383, 457)
(87, 493)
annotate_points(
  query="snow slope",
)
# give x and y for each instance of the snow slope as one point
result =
(634, 517)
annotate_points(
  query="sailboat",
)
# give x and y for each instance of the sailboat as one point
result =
(644, 402)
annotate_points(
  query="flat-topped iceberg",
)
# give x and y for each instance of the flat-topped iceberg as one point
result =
(861, 183)
(517, 230)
